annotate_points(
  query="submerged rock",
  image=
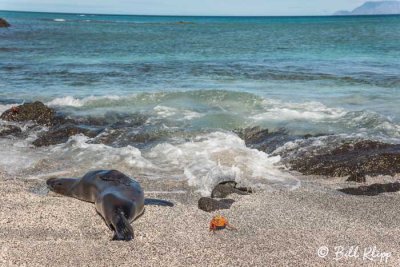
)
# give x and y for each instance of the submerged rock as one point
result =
(264, 140)
(353, 159)
(372, 190)
(185, 22)
(115, 120)
(60, 134)
(61, 128)
(36, 111)
(208, 204)
(253, 135)
(139, 137)
(4, 23)
(224, 189)
(9, 130)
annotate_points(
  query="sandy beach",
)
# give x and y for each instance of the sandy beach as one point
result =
(275, 228)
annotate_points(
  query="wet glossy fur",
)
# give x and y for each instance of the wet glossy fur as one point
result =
(118, 198)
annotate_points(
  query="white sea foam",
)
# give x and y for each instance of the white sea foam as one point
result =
(371, 123)
(17, 156)
(66, 101)
(212, 158)
(391, 128)
(165, 112)
(279, 110)
(76, 102)
(13, 161)
(204, 162)
(81, 153)
(59, 20)
(169, 112)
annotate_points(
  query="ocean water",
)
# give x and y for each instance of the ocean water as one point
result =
(191, 81)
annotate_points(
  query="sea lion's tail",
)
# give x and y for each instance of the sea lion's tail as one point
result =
(122, 227)
(158, 202)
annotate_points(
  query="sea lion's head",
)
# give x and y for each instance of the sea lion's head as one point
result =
(59, 185)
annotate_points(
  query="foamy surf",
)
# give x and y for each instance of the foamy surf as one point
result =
(178, 114)
(229, 110)
(70, 101)
(216, 157)
(204, 161)
(190, 136)
(279, 110)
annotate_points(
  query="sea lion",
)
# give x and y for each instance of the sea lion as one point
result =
(119, 199)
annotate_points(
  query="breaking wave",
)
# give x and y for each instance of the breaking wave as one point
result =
(189, 135)
(220, 109)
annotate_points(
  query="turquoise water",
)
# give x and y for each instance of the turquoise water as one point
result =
(310, 75)
(349, 63)
(307, 67)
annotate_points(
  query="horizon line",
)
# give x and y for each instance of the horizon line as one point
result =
(166, 15)
(158, 15)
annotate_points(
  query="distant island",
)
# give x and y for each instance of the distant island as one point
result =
(374, 8)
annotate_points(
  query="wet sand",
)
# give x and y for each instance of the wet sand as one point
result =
(277, 228)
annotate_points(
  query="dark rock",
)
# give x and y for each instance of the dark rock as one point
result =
(266, 141)
(60, 120)
(184, 22)
(353, 159)
(209, 204)
(263, 140)
(357, 177)
(37, 112)
(115, 120)
(253, 135)
(372, 190)
(307, 136)
(224, 189)
(60, 134)
(9, 130)
(141, 137)
(4, 23)
(145, 137)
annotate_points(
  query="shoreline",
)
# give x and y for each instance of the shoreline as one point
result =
(290, 219)
(277, 227)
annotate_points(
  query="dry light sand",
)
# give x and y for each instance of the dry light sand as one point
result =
(278, 228)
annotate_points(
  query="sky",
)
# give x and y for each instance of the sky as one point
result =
(186, 7)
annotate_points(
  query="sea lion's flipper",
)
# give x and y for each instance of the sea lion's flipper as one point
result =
(122, 227)
(158, 202)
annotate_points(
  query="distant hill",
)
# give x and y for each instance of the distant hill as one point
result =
(374, 8)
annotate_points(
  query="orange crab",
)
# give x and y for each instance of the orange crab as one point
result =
(219, 222)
